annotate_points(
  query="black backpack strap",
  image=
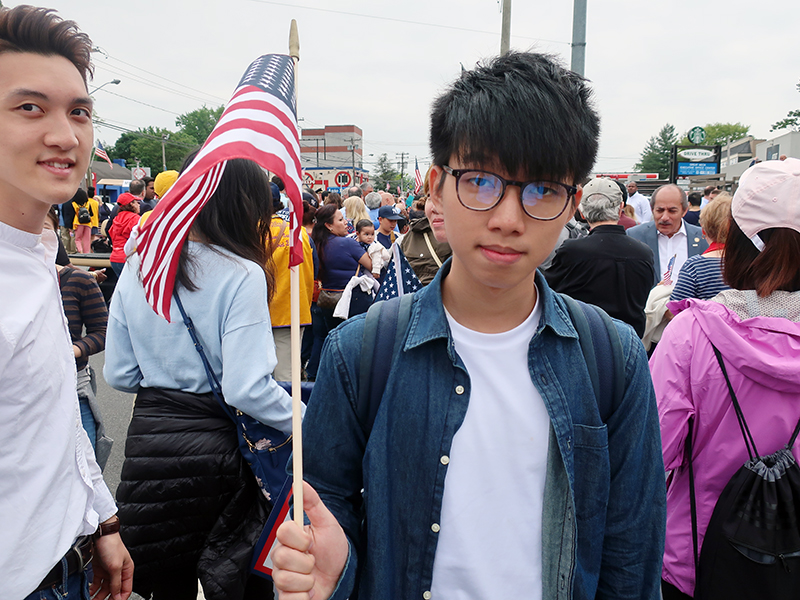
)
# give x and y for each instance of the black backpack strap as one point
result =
(692, 498)
(602, 350)
(64, 275)
(384, 330)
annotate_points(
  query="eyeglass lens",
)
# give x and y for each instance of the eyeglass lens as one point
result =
(480, 191)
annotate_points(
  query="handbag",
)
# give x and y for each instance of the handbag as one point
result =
(328, 299)
(265, 449)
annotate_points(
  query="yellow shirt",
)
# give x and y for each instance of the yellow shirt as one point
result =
(280, 305)
(94, 210)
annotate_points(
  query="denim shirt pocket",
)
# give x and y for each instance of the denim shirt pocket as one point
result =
(592, 470)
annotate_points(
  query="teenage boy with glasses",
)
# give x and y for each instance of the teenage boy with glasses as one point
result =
(58, 516)
(488, 471)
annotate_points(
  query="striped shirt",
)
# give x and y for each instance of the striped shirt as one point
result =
(84, 306)
(700, 277)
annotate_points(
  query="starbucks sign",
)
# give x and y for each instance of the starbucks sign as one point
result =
(697, 135)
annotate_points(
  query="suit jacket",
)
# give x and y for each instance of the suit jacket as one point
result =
(607, 269)
(648, 234)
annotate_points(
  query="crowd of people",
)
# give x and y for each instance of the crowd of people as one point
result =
(512, 442)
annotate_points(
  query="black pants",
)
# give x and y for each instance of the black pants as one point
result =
(182, 585)
(670, 592)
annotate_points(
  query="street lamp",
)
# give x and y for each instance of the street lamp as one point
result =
(112, 82)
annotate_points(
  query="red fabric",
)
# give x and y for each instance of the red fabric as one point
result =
(626, 221)
(714, 246)
(120, 232)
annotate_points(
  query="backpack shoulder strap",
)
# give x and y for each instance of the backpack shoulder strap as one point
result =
(602, 350)
(64, 275)
(384, 329)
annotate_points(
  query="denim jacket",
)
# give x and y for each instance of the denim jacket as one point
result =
(604, 498)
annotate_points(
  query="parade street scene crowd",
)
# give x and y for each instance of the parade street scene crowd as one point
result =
(512, 376)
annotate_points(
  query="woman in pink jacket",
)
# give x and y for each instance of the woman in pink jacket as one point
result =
(756, 327)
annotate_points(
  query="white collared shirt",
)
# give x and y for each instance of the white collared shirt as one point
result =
(641, 206)
(676, 245)
(51, 489)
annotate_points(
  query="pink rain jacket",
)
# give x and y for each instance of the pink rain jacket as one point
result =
(762, 357)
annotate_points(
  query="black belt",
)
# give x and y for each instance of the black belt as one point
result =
(78, 558)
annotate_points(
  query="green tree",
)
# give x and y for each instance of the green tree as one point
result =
(385, 173)
(656, 154)
(198, 123)
(792, 120)
(721, 133)
(145, 145)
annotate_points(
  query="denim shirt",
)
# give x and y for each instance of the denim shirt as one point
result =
(604, 498)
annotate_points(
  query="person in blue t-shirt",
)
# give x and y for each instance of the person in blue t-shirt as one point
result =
(340, 259)
(387, 219)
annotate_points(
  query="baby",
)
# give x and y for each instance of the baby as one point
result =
(365, 234)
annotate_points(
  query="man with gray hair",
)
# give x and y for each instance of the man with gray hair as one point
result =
(607, 268)
(353, 191)
(366, 188)
(671, 239)
(373, 202)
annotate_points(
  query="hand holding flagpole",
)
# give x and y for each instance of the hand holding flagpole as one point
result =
(297, 423)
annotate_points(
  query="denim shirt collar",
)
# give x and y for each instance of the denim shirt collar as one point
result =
(428, 321)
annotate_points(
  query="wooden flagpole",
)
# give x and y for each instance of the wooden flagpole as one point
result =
(297, 421)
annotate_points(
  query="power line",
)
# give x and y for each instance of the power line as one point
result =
(124, 74)
(350, 14)
(223, 100)
(172, 112)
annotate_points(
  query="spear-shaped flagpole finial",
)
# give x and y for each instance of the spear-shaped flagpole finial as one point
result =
(294, 41)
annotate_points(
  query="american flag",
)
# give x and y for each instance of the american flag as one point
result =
(417, 177)
(259, 124)
(100, 152)
(400, 277)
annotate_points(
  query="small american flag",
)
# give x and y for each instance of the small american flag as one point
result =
(100, 152)
(400, 277)
(417, 177)
(259, 124)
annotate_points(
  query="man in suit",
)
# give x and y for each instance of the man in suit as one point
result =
(668, 235)
(607, 268)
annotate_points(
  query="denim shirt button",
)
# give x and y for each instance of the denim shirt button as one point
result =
(569, 443)
(459, 389)
(435, 528)
(543, 379)
(427, 595)
(445, 459)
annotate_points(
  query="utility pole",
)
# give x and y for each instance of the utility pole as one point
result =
(578, 62)
(352, 147)
(505, 36)
(402, 164)
(164, 139)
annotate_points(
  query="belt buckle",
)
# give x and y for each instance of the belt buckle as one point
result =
(77, 548)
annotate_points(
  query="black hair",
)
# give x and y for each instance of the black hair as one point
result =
(321, 234)
(237, 217)
(624, 191)
(364, 223)
(90, 191)
(80, 198)
(695, 198)
(521, 111)
(279, 182)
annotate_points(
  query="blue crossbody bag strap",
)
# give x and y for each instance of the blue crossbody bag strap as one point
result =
(216, 388)
(384, 330)
(602, 350)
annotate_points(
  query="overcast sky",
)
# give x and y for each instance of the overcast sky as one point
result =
(378, 64)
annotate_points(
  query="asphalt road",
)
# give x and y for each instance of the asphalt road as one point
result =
(116, 408)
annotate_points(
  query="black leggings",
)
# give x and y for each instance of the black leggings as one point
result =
(670, 592)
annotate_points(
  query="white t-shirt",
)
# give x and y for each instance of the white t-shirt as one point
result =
(490, 535)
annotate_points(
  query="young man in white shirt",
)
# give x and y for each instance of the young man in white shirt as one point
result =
(57, 512)
(490, 470)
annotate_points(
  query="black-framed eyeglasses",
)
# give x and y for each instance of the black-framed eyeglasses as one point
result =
(483, 190)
